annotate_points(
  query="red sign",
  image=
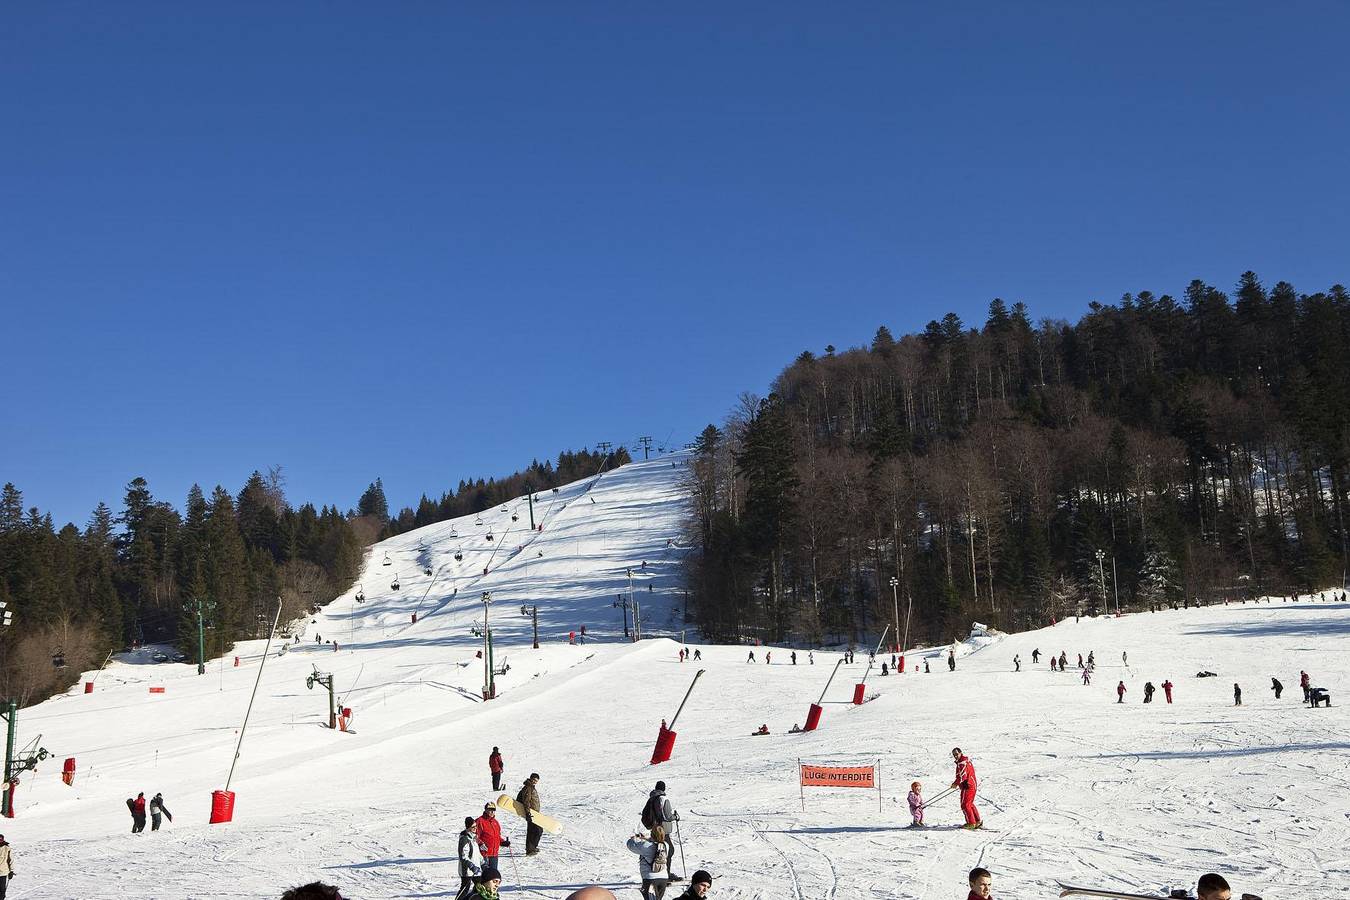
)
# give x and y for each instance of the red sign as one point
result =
(839, 776)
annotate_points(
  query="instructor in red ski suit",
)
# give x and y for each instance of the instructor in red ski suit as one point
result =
(965, 780)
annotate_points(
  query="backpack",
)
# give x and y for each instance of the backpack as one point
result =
(659, 859)
(651, 813)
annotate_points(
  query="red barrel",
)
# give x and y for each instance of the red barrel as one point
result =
(12, 787)
(812, 717)
(68, 771)
(222, 807)
(858, 690)
(902, 662)
(665, 742)
(236, 662)
(414, 618)
(88, 687)
(157, 690)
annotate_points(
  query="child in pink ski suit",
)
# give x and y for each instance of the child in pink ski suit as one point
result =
(916, 802)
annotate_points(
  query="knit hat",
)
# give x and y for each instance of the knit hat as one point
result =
(487, 806)
(534, 776)
(468, 821)
(701, 877)
(660, 785)
(489, 873)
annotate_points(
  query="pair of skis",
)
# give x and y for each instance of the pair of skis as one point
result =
(1069, 890)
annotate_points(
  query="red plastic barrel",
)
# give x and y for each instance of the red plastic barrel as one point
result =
(414, 618)
(665, 742)
(88, 687)
(222, 807)
(902, 662)
(236, 662)
(157, 690)
(68, 770)
(13, 786)
(812, 717)
(858, 690)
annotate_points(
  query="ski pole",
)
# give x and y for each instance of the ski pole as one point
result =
(514, 868)
(680, 837)
(985, 799)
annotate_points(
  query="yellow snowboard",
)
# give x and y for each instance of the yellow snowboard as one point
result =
(548, 823)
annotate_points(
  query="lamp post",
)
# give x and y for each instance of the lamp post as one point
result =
(1101, 573)
(895, 600)
(622, 603)
(1115, 584)
(489, 689)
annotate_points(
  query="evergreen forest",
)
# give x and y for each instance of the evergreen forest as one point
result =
(1160, 451)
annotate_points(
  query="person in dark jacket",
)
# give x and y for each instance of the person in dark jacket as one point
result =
(1148, 691)
(951, 660)
(528, 798)
(157, 811)
(496, 767)
(1276, 687)
(137, 808)
(699, 886)
(1237, 694)
(665, 815)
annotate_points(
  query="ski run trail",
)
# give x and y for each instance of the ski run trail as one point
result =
(1075, 786)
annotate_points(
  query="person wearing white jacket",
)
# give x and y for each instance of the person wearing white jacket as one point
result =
(653, 862)
(470, 859)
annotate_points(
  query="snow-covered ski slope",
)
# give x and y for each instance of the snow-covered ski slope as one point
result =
(1078, 787)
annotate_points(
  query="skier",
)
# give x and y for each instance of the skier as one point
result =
(698, 654)
(980, 885)
(1148, 691)
(1087, 676)
(1052, 664)
(883, 669)
(6, 866)
(528, 798)
(1063, 660)
(1080, 660)
(157, 811)
(653, 861)
(1092, 659)
(681, 654)
(1125, 658)
(951, 660)
(1167, 690)
(965, 780)
(1276, 686)
(810, 657)
(794, 657)
(1036, 656)
(1017, 663)
(583, 634)
(137, 808)
(470, 860)
(1304, 681)
(768, 657)
(1120, 692)
(659, 813)
(1237, 694)
(751, 657)
(490, 840)
(915, 799)
(925, 666)
(496, 767)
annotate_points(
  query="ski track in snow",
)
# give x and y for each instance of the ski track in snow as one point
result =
(1075, 786)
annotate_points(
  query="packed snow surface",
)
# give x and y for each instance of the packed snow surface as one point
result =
(1074, 786)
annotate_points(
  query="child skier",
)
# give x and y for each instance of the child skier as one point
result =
(916, 804)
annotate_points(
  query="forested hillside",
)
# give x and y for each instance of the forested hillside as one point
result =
(1200, 445)
(136, 575)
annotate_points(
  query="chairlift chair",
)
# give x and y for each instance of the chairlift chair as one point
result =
(459, 555)
(477, 519)
(489, 535)
(515, 518)
(427, 570)
(395, 584)
(387, 561)
(504, 509)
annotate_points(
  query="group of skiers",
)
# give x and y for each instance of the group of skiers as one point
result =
(158, 812)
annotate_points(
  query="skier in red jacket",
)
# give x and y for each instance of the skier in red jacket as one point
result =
(490, 840)
(496, 766)
(965, 781)
(1167, 689)
(1120, 692)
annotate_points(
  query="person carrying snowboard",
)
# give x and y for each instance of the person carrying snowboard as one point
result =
(470, 860)
(966, 782)
(659, 813)
(490, 840)
(137, 808)
(653, 862)
(1120, 692)
(496, 767)
(528, 798)
(157, 811)
(915, 799)
(1167, 690)
(1276, 686)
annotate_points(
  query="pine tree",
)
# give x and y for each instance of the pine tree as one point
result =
(1159, 583)
(373, 503)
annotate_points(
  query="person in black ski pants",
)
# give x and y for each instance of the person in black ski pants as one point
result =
(1237, 694)
(1276, 687)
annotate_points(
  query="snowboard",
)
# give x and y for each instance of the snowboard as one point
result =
(548, 823)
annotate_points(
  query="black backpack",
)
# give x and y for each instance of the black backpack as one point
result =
(651, 813)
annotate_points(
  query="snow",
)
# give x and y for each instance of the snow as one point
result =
(1077, 787)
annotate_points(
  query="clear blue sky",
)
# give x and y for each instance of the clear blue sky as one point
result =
(435, 240)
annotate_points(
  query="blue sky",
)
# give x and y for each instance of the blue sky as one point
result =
(429, 241)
